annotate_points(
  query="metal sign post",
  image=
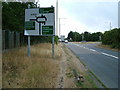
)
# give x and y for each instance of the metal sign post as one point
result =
(53, 46)
(28, 46)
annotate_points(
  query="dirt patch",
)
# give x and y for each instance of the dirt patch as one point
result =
(63, 80)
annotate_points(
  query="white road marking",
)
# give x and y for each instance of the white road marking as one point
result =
(98, 52)
(109, 55)
(93, 50)
(77, 45)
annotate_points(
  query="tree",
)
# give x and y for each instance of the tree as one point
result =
(75, 36)
(13, 14)
(96, 36)
(87, 36)
(112, 38)
(70, 35)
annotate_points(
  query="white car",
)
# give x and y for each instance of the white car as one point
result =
(66, 41)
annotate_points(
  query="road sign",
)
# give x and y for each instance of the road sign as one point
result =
(46, 10)
(39, 21)
(30, 25)
(47, 30)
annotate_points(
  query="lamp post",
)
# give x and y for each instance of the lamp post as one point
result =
(56, 17)
(60, 25)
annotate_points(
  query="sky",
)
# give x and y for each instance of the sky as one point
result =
(85, 15)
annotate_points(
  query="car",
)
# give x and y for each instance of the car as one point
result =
(66, 41)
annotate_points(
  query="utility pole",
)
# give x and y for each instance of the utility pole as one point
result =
(59, 27)
(110, 26)
(57, 17)
(100, 37)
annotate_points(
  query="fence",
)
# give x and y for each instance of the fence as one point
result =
(12, 39)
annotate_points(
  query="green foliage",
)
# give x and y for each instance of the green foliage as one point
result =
(75, 36)
(87, 36)
(96, 36)
(13, 14)
(112, 38)
(43, 39)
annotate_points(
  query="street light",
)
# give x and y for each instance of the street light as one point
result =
(60, 25)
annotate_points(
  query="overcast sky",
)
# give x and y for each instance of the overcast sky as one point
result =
(81, 15)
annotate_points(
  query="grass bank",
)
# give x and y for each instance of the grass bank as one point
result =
(107, 47)
(37, 71)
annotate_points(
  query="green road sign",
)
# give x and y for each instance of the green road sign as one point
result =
(47, 29)
(30, 25)
(46, 10)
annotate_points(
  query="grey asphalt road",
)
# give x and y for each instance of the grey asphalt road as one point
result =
(102, 62)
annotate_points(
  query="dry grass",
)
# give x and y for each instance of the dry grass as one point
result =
(38, 71)
(85, 42)
(107, 47)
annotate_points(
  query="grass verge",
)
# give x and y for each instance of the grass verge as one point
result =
(107, 47)
(37, 71)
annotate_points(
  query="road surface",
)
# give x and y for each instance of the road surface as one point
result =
(102, 62)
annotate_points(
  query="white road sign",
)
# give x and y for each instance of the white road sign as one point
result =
(39, 21)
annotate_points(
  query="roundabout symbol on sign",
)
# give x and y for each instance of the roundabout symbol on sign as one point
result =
(41, 19)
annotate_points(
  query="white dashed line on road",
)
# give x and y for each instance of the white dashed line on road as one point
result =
(97, 51)
(93, 50)
(109, 55)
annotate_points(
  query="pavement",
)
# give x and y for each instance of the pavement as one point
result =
(102, 62)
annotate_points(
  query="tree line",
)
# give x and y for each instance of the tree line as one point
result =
(86, 36)
(111, 37)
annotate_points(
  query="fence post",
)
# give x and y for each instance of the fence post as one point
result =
(12, 39)
(17, 44)
(3, 40)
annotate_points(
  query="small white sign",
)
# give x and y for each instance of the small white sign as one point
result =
(41, 19)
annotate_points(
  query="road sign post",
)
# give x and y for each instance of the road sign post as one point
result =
(53, 46)
(28, 46)
(40, 22)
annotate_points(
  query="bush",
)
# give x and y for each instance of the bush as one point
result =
(112, 38)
